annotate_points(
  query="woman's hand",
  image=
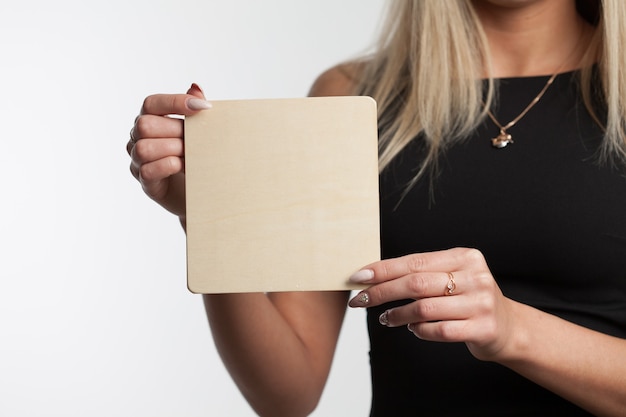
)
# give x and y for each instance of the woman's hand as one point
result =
(156, 146)
(456, 299)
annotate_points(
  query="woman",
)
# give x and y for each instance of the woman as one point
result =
(502, 179)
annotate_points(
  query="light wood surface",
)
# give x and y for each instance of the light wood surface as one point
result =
(282, 194)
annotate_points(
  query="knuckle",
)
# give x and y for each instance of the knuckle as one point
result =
(179, 102)
(148, 103)
(448, 331)
(484, 280)
(424, 309)
(415, 263)
(376, 293)
(473, 256)
(174, 165)
(416, 284)
(147, 172)
(142, 127)
(144, 151)
(160, 169)
(384, 272)
(484, 303)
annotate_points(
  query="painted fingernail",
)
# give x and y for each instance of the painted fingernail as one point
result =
(198, 104)
(196, 87)
(362, 299)
(362, 276)
(384, 318)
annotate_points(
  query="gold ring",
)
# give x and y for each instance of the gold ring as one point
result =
(451, 285)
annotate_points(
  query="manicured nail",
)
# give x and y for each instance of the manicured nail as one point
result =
(362, 276)
(411, 327)
(196, 87)
(198, 104)
(384, 318)
(360, 300)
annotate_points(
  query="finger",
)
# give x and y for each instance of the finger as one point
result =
(154, 175)
(414, 286)
(182, 104)
(148, 125)
(446, 260)
(150, 150)
(151, 126)
(427, 310)
(441, 331)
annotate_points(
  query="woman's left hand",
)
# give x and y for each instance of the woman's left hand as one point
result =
(456, 299)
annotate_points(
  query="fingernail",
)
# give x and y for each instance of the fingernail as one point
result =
(411, 327)
(384, 318)
(362, 276)
(197, 87)
(360, 300)
(198, 104)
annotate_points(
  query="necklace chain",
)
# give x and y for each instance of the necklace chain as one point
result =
(504, 138)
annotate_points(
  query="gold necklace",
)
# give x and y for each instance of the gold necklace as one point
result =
(504, 138)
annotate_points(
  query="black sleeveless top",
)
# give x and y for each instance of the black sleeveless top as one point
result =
(550, 222)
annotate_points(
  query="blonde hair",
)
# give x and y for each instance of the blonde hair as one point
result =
(427, 69)
(609, 39)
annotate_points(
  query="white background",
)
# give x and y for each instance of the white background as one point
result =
(95, 317)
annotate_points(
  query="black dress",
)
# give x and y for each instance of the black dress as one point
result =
(549, 219)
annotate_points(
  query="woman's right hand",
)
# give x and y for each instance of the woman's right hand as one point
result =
(156, 146)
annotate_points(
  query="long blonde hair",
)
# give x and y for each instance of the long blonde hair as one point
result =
(427, 69)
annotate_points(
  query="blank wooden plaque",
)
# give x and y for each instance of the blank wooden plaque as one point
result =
(282, 194)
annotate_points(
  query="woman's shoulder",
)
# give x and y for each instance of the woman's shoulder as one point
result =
(339, 80)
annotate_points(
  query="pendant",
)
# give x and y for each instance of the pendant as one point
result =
(502, 140)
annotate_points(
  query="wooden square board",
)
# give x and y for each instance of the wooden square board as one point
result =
(282, 194)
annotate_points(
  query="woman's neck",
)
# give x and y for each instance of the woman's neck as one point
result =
(533, 37)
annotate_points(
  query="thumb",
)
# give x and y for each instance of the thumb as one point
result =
(197, 102)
